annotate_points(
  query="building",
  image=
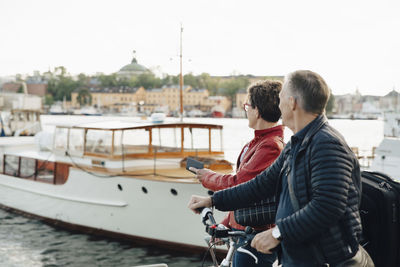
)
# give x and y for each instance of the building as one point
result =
(34, 88)
(168, 97)
(390, 102)
(112, 99)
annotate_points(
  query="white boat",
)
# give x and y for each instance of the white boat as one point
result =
(158, 117)
(119, 179)
(20, 122)
(19, 113)
(88, 111)
(57, 109)
(195, 113)
(387, 154)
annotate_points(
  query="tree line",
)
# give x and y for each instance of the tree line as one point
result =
(61, 84)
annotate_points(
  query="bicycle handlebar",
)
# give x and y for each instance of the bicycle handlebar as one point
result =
(218, 231)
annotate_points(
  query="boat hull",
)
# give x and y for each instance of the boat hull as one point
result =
(121, 207)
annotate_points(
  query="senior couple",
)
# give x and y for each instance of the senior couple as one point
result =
(314, 178)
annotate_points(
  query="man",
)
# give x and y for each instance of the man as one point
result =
(262, 109)
(318, 184)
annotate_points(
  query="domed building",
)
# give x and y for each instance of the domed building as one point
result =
(133, 69)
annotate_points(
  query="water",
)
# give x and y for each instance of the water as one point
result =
(29, 242)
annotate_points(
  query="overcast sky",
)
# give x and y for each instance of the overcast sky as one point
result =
(352, 44)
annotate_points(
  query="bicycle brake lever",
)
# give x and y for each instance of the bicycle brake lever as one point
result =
(247, 240)
(243, 250)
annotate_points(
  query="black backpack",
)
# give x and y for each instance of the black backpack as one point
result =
(380, 218)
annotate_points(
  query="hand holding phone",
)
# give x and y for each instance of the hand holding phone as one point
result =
(191, 162)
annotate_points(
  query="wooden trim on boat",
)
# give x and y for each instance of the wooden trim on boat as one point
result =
(150, 141)
(36, 169)
(19, 166)
(182, 139)
(171, 246)
(165, 125)
(84, 141)
(158, 155)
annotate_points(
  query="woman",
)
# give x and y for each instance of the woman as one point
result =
(262, 109)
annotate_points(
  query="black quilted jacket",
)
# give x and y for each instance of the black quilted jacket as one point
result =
(327, 185)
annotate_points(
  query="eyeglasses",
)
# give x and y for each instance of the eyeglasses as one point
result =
(246, 106)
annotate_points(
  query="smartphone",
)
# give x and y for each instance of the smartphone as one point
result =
(191, 162)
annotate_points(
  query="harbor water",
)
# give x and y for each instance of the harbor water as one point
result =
(29, 242)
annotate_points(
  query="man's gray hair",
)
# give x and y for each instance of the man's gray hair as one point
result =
(309, 89)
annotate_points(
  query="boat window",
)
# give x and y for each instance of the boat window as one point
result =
(11, 165)
(76, 139)
(27, 169)
(196, 139)
(61, 139)
(98, 141)
(166, 139)
(133, 142)
(216, 140)
(45, 171)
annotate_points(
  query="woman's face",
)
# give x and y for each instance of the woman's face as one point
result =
(252, 114)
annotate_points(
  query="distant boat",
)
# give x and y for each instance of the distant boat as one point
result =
(386, 157)
(218, 112)
(157, 117)
(20, 122)
(20, 113)
(87, 111)
(195, 113)
(130, 111)
(57, 109)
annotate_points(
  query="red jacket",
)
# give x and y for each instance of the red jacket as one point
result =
(261, 153)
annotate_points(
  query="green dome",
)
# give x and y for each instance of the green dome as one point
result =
(133, 67)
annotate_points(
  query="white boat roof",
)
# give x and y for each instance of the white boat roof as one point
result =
(123, 125)
(34, 154)
(16, 140)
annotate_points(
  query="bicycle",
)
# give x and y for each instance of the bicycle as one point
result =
(227, 236)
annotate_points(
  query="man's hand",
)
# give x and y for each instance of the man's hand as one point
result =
(264, 242)
(197, 202)
(200, 173)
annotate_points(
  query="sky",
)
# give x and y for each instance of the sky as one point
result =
(352, 44)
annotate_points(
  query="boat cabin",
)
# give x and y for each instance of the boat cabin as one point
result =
(121, 140)
(113, 148)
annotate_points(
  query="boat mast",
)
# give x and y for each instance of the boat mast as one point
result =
(181, 77)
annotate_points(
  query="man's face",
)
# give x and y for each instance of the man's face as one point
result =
(284, 104)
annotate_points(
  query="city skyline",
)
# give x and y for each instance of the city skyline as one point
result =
(352, 44)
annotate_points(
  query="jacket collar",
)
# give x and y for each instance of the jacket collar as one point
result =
(276, 130)
(316, 124)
